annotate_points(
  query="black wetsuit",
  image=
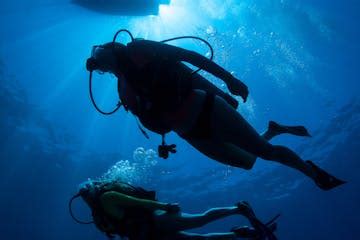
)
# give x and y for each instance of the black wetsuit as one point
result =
(161, 82)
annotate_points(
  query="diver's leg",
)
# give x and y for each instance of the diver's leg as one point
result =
(225, 153)
(230, 154)
(185, 221)
(189, 221)
(243, 208)
(244, 136)
(229, 126)
(275, 129)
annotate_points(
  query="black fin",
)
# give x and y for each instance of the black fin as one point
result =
(324, 180)
(273, 220)
(264, 231)
(294, 130)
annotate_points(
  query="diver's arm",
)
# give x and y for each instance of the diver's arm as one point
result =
(112, 200)
(204, 63)
(153, 49)
(234, 85)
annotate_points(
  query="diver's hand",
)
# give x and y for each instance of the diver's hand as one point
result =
(238, 88)
(172, 208)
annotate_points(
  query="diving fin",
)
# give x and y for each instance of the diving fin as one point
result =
(268, 229)
(263, 231)
(271, 227)
(324, 180)
(273, 220)
(294, 130)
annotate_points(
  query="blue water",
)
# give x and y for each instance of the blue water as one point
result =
(299, 59)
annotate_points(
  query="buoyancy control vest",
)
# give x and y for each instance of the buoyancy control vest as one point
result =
(149, 105)
(153, 88)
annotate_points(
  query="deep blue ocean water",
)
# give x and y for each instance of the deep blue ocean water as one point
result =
(299, 59)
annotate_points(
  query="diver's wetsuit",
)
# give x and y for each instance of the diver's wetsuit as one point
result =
(160, 82)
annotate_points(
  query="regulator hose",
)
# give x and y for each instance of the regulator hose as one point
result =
(72, 214)
(118, 105)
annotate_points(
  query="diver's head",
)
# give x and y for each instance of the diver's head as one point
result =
(88, 191)
(105, 58)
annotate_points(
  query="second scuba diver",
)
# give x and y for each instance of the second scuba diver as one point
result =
(166, 95)
(120, 209)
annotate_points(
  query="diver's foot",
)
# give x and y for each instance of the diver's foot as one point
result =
(324, 180)
(272, 225)
(266, 231)
(263, 231)
(245, 209)
(294, 130)
(268, 234)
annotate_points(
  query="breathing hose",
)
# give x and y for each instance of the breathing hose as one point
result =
(119, 104)
(72, 214)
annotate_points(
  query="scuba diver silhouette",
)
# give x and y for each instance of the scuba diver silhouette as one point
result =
(166, 95)
(120, 209)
